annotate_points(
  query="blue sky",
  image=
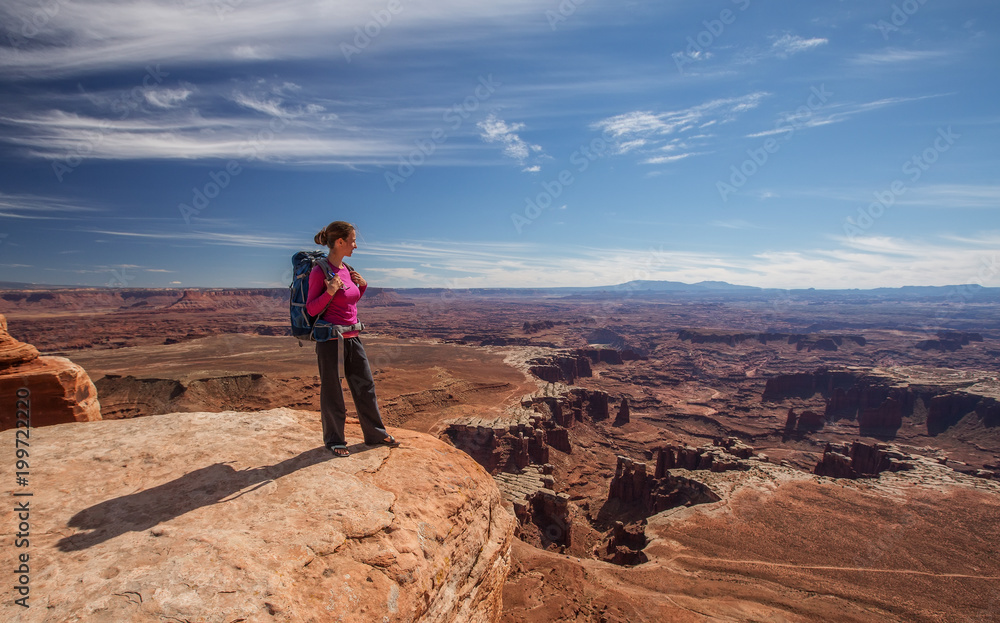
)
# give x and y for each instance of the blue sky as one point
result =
(513, 143)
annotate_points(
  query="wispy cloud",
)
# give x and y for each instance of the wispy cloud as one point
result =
(788, 44)
(243, 239)
(73, 38)
(949, 196)
(895, 56)
(675, 132)
(166, 98)
(953, 196)
(496, 130)
(39, 207)
(735, 224)
(859, 263)
(831, 113)
(304, 136)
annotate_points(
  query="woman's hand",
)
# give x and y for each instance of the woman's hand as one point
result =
(333, 285)
(358, 279)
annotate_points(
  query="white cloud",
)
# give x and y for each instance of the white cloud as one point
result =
(735, 224)
(25, 206)
(242, 239)
(830, 113)
(107, 34)
(954, 196)
(186, 134)
(495, 130)
(166, 98)
(650, 133)
(788, 45)
(666, 159)
(893, 56)
(859, 263)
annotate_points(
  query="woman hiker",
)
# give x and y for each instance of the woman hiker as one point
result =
(339, 296)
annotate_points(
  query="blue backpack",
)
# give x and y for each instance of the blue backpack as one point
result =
(304, 326)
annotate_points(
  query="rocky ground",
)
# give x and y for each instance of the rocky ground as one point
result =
(223, 517)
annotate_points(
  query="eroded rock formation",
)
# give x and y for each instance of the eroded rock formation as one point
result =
(625, 543)
(542, 513)
(633, 485)
(861, 460)
(657, 489)
(561, 368)
(500, 444)
(623, 413)
(57, 389)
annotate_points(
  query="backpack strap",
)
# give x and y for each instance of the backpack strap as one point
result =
(324, 264)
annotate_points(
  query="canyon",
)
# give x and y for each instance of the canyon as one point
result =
(662, 455)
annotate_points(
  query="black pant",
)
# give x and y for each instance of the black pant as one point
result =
(333, 411)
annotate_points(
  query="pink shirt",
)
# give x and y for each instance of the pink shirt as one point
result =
(344, 308)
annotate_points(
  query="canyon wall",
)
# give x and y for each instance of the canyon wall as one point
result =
(55, 389)
(879, 398)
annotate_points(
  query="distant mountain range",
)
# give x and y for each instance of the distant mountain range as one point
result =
(959, 293)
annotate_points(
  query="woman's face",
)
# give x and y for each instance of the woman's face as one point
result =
(347, 245)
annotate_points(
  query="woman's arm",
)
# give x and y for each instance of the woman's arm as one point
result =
(319, 294)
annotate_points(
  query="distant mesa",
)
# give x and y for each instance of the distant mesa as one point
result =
(807, 342)
(538, 326)
(58, 390)
(949, 341)
(879, 398)
(382, 297)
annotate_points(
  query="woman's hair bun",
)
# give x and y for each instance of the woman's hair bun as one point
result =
(333, 232)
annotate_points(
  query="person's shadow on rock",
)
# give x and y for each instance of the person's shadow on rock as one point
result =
(209, 485)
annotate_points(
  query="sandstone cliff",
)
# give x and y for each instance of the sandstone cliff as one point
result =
(58, 390)
(221, 517)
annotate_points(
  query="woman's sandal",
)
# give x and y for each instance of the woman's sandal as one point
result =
(340, 451)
